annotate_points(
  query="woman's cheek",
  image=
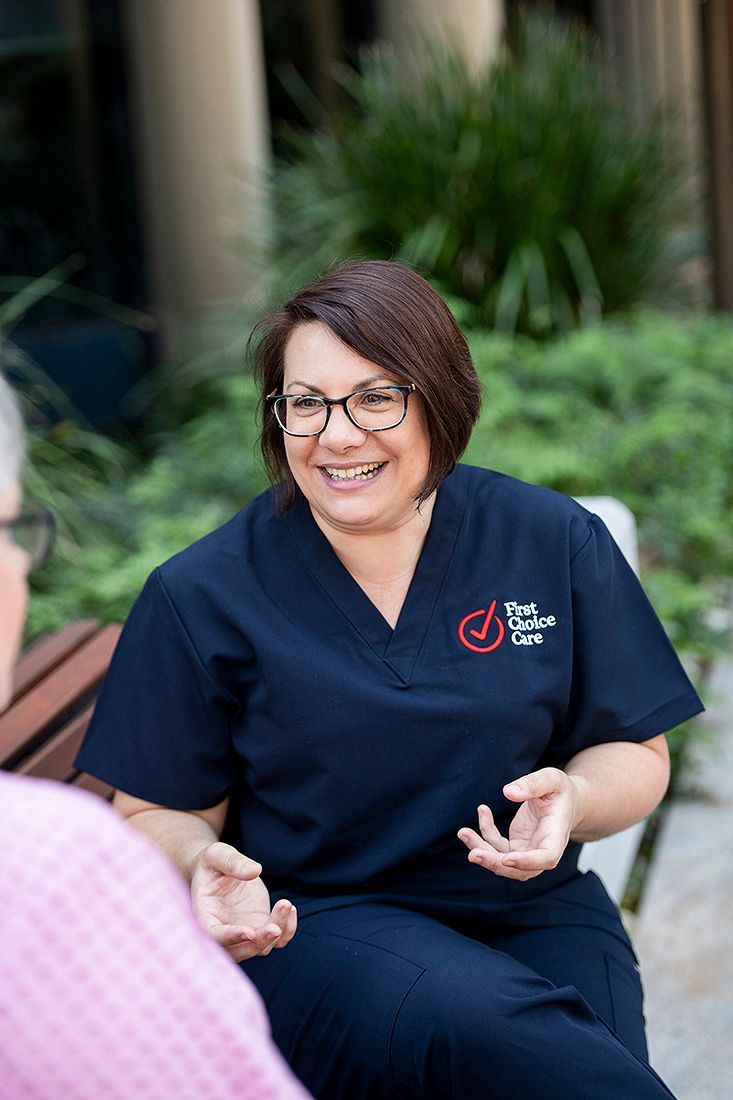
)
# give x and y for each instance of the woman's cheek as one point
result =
(13, 606)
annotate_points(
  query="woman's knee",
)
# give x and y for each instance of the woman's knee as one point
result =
(333, 1002)
(601, 965)
(500, 1031)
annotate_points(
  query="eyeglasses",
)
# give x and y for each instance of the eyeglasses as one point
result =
(33, 530)
(373, 410)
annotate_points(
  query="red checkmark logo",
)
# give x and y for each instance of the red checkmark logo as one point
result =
(488, 629)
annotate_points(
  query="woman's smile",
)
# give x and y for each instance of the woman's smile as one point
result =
(352, 476)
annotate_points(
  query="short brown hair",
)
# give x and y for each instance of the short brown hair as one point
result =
(391, 316)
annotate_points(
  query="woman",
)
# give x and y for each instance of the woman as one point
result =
(339, 676)
(109, 986)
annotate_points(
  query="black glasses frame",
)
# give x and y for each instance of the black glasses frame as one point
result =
(39, 520)
(329, 402)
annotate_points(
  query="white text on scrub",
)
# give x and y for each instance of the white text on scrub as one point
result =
(525, 622)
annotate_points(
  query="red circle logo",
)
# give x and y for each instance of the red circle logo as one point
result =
(489, 631)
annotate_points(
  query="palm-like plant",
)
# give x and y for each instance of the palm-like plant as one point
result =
(526, 188)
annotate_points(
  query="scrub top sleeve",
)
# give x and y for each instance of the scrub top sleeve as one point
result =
(627, 682)
(160, 729)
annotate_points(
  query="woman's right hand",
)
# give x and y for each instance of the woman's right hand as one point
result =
(233, 904)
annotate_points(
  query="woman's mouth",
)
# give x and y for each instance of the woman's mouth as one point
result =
(365, 472)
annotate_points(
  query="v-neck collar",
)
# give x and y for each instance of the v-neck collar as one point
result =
(398, 648)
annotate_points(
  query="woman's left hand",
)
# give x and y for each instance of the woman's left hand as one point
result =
(539, 832)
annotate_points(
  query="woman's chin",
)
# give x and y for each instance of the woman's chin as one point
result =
(348, 513)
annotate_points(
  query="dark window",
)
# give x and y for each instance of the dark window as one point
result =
(68, 195)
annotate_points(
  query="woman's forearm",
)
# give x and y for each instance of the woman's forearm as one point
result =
(181, 834)
(618, 784)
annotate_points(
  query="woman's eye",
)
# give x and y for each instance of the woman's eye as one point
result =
(375, 398)
(307, 404)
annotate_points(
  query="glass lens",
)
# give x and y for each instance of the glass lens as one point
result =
(377, 409)
(301, 414)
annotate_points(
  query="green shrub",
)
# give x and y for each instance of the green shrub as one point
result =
(201, 473)
(69, 464)
(640, 409)
(526, 189)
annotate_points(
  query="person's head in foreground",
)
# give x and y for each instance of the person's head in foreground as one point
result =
(83, 1018)
(14, 561)
(378, 337)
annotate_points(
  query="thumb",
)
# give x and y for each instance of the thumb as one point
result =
(226, 860)
(533, 785)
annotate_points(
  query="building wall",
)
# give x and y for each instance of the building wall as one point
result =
(658, 48)
(475, 25)
(198, 89)
(717, 17)
(654, 47)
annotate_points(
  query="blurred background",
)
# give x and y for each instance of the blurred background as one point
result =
(563, 173)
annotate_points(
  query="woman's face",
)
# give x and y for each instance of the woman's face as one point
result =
(13, 591)
(317, 362)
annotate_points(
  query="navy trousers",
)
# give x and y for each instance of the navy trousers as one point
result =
(372, 1001)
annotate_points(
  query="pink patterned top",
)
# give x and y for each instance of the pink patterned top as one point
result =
(109, 988)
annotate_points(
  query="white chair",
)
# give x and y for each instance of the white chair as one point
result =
(613, 857)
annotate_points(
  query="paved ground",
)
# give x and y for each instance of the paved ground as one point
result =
(684, 930)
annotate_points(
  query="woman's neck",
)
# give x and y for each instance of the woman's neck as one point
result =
(383, 562)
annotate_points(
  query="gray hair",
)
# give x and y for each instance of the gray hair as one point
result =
(12, 444)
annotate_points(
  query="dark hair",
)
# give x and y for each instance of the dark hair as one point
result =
(391, 316)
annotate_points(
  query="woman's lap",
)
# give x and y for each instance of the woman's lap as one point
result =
(374, 1001)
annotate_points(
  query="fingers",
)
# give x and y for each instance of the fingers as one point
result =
(290, 922)
(535, 784)
(226, 860)
(492, 851)
(489, 831)
(247, 940)
(229, 935)
(471, 839)
(514, 865)
(534, 861)
(486, 855)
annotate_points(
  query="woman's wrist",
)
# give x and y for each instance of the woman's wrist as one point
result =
(581, 789)
(193, 856)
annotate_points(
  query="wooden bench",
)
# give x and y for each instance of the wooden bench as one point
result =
(55, 685)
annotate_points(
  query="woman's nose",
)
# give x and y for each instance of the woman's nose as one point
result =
(339, 431)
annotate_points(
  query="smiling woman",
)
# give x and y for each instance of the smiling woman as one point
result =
(383, 647)
(387, 317)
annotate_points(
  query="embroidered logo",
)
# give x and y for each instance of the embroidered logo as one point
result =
(486, 634)
(483, 631)
(526, 623)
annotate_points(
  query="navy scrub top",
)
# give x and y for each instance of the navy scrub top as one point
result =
(253, 665)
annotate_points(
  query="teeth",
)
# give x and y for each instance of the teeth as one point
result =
(363, 473)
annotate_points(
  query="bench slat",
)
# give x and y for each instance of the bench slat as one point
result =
(47, 652)
(55, 760)
(69, 685)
